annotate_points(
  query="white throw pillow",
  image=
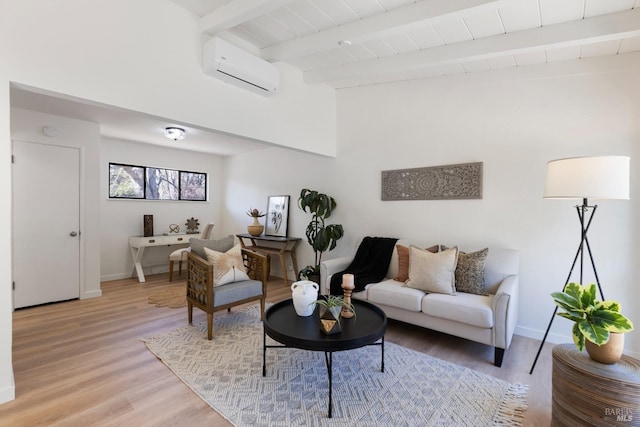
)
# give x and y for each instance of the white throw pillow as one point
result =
(433, 272)
(227, 266)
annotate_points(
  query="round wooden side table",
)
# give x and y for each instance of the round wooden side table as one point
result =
(588, 393)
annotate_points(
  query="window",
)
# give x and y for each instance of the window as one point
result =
(143, 182)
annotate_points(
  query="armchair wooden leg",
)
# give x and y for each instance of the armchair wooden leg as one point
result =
(180, 268)
(209, 326)
(171, 272)
(190, 312)
(262, 303)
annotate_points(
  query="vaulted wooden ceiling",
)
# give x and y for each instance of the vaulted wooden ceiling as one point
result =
(347, 43)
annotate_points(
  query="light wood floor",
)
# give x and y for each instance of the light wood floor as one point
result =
(82, 363)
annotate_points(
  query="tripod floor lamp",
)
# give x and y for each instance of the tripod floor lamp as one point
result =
(602, 177)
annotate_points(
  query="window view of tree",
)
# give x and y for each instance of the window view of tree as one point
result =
(162, 184)
(140, 182)
(193, 186)
(126, 181)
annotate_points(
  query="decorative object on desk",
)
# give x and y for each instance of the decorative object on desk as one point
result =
(277, 216)
(603, 177)
(192, 226)
(594, 322)
(463, 181)
(330, 308)
(174, 228)
(148, 225)
(347, 286)
(255, 229)
(320, 236)
(304, 294)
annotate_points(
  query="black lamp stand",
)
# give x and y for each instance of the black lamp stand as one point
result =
(585, 223)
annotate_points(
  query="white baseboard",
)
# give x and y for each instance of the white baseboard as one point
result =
(92, 294)
(8, 392)
(558, 338)
(537, 334)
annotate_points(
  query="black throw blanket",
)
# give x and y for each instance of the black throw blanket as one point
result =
(369, 265)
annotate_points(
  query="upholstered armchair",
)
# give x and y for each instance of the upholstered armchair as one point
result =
(203, 294)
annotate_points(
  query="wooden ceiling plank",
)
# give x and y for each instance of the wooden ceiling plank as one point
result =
(591, 30)
(375, 26)
(237, 12)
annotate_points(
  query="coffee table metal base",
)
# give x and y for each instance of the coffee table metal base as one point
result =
(328, 358)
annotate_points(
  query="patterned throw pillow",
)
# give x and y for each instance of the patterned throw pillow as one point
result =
(228, 266)
(403, 261)
(470, 272)
(432, 272)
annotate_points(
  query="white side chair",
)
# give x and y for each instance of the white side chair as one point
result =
(180, 255)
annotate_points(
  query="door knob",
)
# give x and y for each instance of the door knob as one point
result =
(73, 234)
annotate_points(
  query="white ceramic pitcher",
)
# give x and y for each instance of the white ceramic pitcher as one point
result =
(304, 293)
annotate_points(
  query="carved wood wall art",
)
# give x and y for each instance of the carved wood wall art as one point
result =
(462, 181)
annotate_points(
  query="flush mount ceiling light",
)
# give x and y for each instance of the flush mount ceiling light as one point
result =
(177, 134)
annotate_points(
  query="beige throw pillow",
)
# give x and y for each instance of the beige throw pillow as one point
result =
(433, 272)
(403, 261)
(228, 266)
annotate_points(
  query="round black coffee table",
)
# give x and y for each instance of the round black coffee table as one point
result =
(283, 325)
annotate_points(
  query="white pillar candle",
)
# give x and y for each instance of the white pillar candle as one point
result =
(347, 280)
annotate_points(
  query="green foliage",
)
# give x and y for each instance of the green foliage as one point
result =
(593, 320)
(333, 301)
(320, 236)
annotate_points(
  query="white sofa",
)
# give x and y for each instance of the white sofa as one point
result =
(489, 319)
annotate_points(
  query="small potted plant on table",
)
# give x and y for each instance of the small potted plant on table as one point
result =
(256, 228)
(330, 308)
(598, 325)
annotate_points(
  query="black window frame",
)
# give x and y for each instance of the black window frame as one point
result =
(144, 186)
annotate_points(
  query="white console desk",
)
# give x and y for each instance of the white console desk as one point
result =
(137, 245)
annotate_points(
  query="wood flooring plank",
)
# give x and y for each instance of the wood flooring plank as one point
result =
(84, 362)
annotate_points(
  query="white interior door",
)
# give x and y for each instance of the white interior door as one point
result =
(46, 220)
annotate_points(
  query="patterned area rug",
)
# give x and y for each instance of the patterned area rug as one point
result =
(173, 297)
(414, 390)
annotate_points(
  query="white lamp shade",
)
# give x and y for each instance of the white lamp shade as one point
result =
(601, 177)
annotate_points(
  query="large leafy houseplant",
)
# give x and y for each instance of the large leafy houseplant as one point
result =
(321, 237)
(594, 320)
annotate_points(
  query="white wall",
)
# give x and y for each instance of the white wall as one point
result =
(7, 386)
(116, 53)
(512, 125)
(123, 218)
(27, 126)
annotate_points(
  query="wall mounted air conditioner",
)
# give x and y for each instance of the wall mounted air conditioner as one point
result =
(227, 62)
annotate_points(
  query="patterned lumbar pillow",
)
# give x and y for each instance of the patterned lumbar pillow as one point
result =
(228, 266)
(470, 272)
(432, 272)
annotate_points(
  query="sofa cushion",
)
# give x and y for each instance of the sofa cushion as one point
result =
(465, 308)
(431, 272)
(227, 266)
(403, 261)
(470, 272)
(220, 245)
(393, 293)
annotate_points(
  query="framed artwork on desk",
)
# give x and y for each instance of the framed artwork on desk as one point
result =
(277, 216)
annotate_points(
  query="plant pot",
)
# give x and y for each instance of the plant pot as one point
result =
(256, 228)
(608, 353)
(330, 320)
